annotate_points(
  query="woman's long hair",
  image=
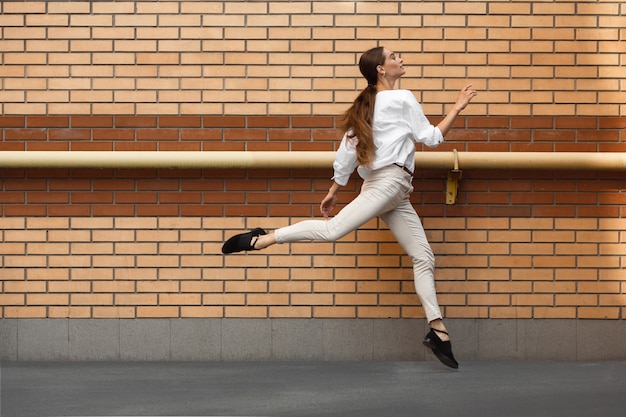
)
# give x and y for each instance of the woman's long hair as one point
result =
(357, 120)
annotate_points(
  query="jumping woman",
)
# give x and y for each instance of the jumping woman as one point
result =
(381, 129)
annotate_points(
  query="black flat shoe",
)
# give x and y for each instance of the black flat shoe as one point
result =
(441, 349)
(243, 241)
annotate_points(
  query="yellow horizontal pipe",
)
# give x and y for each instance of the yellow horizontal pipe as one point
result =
(174, 160)
(608, 161)
(587, 161)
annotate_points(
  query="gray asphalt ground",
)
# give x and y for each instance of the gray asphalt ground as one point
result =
(427, 388)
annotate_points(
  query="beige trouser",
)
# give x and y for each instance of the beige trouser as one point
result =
(385, 194)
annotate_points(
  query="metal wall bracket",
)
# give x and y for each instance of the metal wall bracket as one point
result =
(452, 183)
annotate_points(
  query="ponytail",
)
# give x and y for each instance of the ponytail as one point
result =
(358, 123)
(357, 120)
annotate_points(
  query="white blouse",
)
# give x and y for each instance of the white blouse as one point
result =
(399, 122)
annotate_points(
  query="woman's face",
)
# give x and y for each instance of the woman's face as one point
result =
(393, 65)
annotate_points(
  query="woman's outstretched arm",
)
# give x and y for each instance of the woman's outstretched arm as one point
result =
(465, 96)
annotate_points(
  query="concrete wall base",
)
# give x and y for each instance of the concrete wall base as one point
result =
(305, 339)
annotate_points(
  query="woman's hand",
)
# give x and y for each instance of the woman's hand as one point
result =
(328, 204)
(465, 96)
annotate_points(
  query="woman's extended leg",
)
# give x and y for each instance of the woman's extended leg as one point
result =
(381, 192)
(406, 226)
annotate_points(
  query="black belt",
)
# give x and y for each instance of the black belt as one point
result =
(404, 168)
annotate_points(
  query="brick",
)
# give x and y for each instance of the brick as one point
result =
(198, 312)
(465, 312)
(91, 299)
(12, 121)
(113, 286)
(69, 312)
(289, 312)
(47, 299)
(124, 272)
(24, 236)
(12, 299)
(157, 312)
(245, 312)
(157, 261)
(510, 312)
(554, 287)
(47, 248)
(179, 299)
(267, 299)
(488, 299)
(598, 313)
(135, 299)
(113, 312)
(555, 312)
(311, 299)
(334, 312)
(46, 274)
(378, 312)
(43, 121)
(47, 20)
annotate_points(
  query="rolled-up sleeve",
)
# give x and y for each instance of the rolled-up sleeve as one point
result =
(423, 131)
(345, 160)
